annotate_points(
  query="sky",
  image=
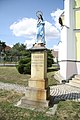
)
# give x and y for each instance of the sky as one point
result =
(18, 21)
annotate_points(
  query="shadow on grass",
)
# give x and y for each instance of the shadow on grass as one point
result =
(52, 69)
(63, 97)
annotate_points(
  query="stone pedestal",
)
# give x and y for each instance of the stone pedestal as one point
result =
(37, 92)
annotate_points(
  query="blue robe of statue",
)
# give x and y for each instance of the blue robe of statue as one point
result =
(40, 32)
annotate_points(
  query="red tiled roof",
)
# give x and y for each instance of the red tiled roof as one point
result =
(55, 53)
(7, 48)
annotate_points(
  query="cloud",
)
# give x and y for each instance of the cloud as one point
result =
(25, 27)
(51, 31)
(29, 43)
(55, 16)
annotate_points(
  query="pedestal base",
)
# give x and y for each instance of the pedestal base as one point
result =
(26, 103)
(35, 98)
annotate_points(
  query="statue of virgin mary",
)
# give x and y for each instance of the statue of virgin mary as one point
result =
(40, 38)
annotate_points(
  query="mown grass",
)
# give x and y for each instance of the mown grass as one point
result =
(9, 112)
(51, 79)
(11, 75)
(67, 110)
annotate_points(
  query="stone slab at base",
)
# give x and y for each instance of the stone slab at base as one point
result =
(35, 98)
(25, 103)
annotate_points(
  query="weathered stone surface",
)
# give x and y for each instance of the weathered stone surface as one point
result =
(38, 83)
(37, 91)
(39, 65)
(24, 102)
(35, 94)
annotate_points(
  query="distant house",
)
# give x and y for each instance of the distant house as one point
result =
(55, 55)
(7, 48)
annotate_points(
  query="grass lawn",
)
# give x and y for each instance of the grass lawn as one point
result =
(51, 80)
(67, 110)
(11, 75)
(9, 112)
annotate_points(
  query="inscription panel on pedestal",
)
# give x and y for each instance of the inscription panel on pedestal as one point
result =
(37, 65)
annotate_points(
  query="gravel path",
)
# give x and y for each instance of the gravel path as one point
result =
(15, 87)
(58, 92)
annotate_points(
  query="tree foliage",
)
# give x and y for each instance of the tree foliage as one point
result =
(2, 46)
(24, 65)
(49, 58)
(18, 51)
(20, 54)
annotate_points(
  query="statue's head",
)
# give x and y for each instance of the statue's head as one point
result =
(39, 15)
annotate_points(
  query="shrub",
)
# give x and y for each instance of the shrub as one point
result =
(27, 68)
(49, 62)
(24, 66)
(24, 60)
(20, 68)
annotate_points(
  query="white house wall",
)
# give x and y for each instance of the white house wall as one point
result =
(67, 47)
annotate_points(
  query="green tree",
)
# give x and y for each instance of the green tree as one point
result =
(19, 49)
(2, 46)
(24, 65)
(49, 58)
